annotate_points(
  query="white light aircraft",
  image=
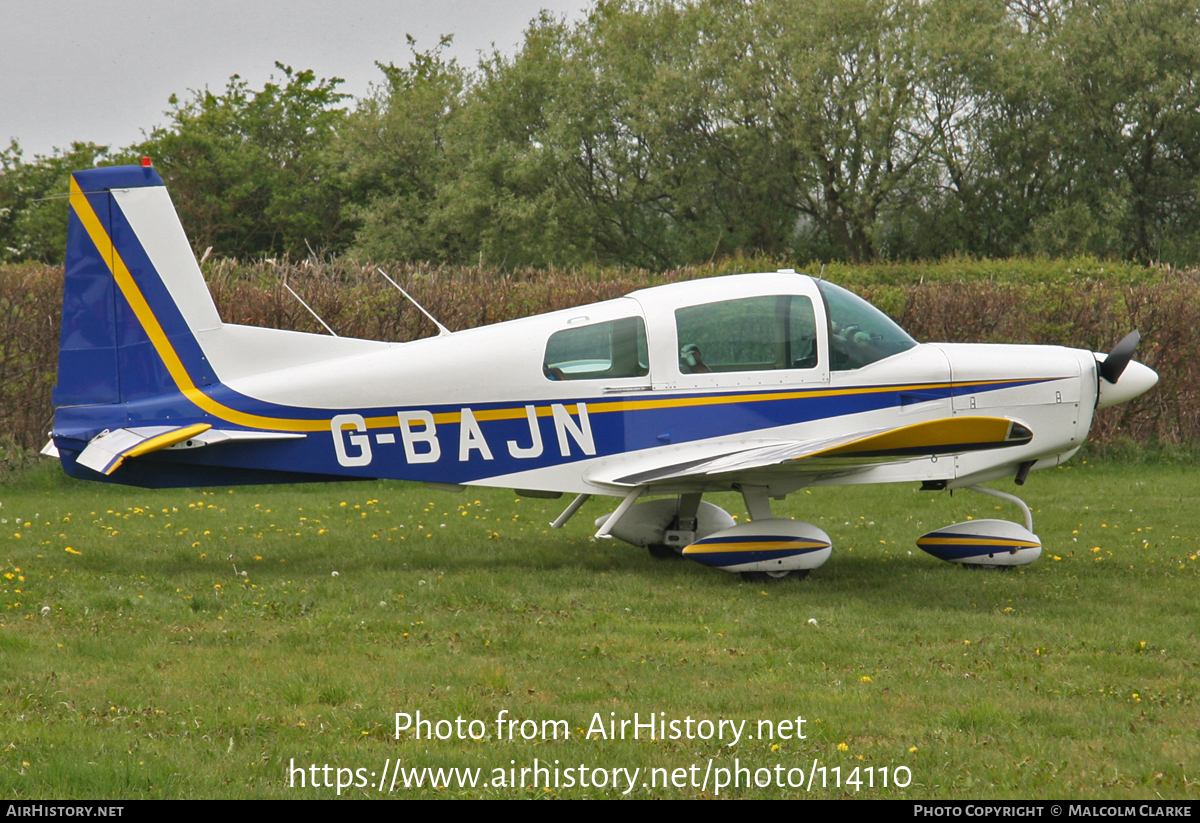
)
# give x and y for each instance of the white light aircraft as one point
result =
(758, 383)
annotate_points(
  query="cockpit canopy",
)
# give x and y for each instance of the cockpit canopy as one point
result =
(781, 322)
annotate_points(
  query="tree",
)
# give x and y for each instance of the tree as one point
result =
(1132, 68)
(250, 170)
(33, 199)
(837, 93)
(393, 159)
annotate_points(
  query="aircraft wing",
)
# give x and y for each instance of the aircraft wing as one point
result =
(108, 450)
(953, 435)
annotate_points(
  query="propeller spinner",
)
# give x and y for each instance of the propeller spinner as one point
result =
(1119, 365)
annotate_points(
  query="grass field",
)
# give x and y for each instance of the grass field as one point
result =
(194, 643)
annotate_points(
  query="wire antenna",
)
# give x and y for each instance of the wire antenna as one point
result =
(442, 330)
(310, 310)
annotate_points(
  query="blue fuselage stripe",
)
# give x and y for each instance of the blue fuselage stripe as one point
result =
(614, 432)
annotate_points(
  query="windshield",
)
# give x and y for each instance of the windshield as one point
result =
(859, 333)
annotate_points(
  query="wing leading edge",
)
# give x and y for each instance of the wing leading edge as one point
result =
(953, 435)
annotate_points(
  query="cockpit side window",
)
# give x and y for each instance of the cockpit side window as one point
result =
(859, 333)
(603, 350)
(748, 334)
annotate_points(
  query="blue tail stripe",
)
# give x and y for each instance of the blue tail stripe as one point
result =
(87, 360)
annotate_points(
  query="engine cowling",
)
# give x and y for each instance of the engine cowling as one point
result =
(983, 543)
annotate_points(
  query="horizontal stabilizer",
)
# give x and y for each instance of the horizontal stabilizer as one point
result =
(212, 437)
(955, 435)
(108, 450)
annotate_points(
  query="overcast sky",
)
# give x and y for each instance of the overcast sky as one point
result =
(103, 71)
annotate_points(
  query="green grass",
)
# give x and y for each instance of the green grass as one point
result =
(198, 642)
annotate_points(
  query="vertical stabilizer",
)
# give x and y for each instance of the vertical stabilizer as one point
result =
(133, 294)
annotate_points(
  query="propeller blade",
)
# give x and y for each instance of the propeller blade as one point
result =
(1114, 365)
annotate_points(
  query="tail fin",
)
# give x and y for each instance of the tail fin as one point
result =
(133, 296)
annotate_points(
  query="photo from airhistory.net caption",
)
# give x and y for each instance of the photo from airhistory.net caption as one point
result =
(709, 776)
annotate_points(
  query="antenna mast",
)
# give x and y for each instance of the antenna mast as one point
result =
(310, 311)
(442, 330)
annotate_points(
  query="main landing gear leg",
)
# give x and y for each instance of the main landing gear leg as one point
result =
(758, 503)
(682, 530)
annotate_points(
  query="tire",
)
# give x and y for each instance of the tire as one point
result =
(660, 552)
(766, 577)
